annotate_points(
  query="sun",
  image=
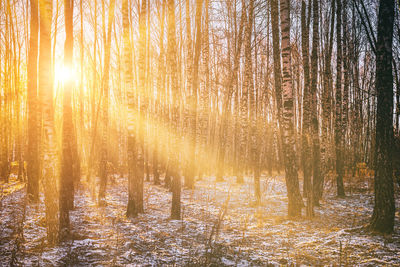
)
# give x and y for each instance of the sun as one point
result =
(63, 74)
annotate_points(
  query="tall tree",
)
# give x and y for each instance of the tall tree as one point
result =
(246, 89)
(338, 104)
(316, 153)
(94, 113)
(288, 141)
(172, 67)
(249, 114)
(49, 144)
(204, 109)
(6, 110)
(144, 95)
(160, 91)
(306, 131)
(187, 119)
(105, 89)
(33, 170)
(193, 97)
(128, 80)
(326, 100)
(346, 85)
(67, 174)
(384, 209)
(277, 59)
(79, 155)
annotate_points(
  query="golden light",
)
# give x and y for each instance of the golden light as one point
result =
(63, 74)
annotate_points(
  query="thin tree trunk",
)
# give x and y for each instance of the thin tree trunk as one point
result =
(105, 88)
(143, 106)
(160, 92)
(338, 120)
(33, 170)
(244, 100)
(252, 114)
(205, 95)
(172, 64)
(277, 73)
(306, 131)
(187, 120)
(316, 153)
(193, 98)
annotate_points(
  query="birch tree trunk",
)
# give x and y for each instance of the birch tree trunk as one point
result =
(288, 141)
(306, 134)
(316, 153)
(49, 170)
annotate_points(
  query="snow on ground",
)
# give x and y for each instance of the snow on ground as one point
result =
(246, 235)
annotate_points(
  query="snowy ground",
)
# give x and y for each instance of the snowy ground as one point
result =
(245, 236)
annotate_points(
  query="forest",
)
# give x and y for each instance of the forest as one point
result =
(199, 132)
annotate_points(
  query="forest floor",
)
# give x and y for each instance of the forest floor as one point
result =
(221, 226)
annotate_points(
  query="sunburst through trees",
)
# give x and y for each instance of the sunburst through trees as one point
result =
(173, 95)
